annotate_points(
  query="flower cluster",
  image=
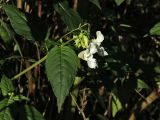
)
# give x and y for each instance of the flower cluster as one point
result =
(93, 47)
(81, 40)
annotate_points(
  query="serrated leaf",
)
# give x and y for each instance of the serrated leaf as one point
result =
(155, 30)
(96, 2)
(30, 113)
(141, 84)
(5, 113)
(25, 24)
(119, 2)
(61, 67)
(5, 32)
(3, 104)
(70, 17)
(6, 85)
(116, 105)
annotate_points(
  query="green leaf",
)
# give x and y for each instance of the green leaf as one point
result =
(96, 2)
(116, 105)
(5, 32)
(16, 98)
(19, 98)
(25, 24)
(3, 104)
(6, 85)
(119, 2)
(157, 69)
(30, 113)
(155, 30)
(61, 67)
(70, 17)
(5, 112)
(141, 84)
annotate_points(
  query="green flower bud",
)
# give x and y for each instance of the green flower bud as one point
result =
(81, 40)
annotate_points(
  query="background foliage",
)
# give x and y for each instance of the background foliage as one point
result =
(126, 84)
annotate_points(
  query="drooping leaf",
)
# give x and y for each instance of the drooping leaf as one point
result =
(30, 113)
(25, 24)
(96, 2)
(116, 105)
(141, 84)
(5, 112)
(16, 98)
(119, 2)
(19, 98)
(6, 85)
(5, 32)
(155, 30)
(61, 67)
(18, 21)
(70, 17)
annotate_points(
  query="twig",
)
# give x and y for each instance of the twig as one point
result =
(81, 111)
(29, 68)
(144, 104)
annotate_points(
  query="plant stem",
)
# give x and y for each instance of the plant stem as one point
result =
(144, 104)
(45, 57)
(19, 4)
(81, 111)
(29, 68)
(74, 30)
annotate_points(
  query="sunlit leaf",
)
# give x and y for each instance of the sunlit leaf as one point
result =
(70, 17)
(119, 2)
(155, 30)
(96, 2)
(61, 67)
(6, 85)
(141, 84)
(19, 98)
(116, 105)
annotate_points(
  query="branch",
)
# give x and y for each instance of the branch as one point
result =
(144, 104)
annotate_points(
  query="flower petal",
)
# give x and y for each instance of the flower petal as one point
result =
(92, 63)
(92, 48)
(85, 55)
(99, 38)
(102, 52)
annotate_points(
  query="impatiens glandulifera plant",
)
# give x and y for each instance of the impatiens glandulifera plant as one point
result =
(62, 63)
(25, 39)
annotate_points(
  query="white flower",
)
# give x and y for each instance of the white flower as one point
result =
(92, 63)
(85, 55)
(99, 38)
(94, 47)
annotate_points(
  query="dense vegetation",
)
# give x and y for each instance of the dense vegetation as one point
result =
(79, 59)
